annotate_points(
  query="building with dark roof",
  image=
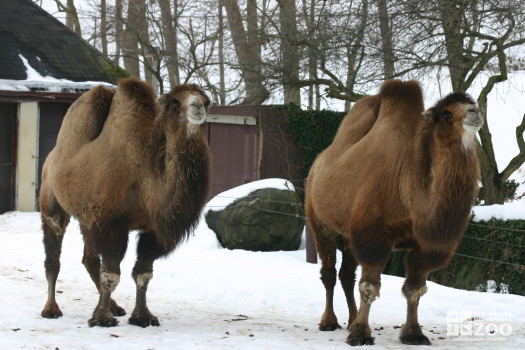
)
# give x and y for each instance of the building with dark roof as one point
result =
(44, 67)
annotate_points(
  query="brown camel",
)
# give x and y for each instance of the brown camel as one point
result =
(125, 162)
(395, 177)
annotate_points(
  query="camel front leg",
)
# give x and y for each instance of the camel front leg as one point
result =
(110, 240)
(369, 286)
(418, 265)
(91, 262)
(109, 280)
(148, 250)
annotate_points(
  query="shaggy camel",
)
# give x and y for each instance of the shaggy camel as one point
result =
(395, 177)
(125, 162)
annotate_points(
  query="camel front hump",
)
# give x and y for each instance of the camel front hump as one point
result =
(402, 177)
(125, 161)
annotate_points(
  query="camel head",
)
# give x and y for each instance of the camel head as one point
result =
(456, 119)
(184, 106)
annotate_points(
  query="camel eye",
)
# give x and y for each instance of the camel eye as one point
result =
(446, 115)
(175, 103)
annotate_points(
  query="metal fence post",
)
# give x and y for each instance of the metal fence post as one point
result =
(311, 252)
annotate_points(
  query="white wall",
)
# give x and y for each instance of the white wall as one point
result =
(27, 162)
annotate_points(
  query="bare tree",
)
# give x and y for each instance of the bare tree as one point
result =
(72, 21)
(386, 39)
(130, 38)
(169, 30)
(247, 56)
(289, 51)
(103, 27)
(222, 83)
(118, 21)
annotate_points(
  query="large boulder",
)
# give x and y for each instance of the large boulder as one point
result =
(267, 219)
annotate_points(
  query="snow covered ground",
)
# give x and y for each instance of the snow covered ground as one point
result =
(207, 297)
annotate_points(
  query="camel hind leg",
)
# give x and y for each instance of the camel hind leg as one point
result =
(54, 223)
(326, 244)
(347, 278)
(91, 262)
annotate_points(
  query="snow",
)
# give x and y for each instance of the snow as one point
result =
(35, 80)
(207, 297)
(514, 210)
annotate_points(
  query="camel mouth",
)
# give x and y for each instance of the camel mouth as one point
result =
(473, 121)
(197, 120)
(197, 113)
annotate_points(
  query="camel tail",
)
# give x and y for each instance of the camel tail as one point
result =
(85, 119)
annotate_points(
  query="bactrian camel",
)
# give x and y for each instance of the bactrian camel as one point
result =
(125, 161)
(395, 177)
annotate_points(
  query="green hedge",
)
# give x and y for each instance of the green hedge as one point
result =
(494, 250)
(312, 131)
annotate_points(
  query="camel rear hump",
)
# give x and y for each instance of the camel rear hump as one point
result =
(85, 119)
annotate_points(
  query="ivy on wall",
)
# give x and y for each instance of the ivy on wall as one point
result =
(312, 131)
(489, 251)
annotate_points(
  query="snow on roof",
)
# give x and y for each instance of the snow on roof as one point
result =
(36, 82)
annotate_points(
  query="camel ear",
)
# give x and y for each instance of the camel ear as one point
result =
(162, 99)
(428, 114)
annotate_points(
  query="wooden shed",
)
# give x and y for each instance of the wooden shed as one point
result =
(44, 67)
(251, 143)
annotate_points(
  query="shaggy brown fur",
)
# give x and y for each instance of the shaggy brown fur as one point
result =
(125, 162)
(393, 178)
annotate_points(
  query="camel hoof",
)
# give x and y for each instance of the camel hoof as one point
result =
(143, 320)
(415, 339)
(329, 327)
(103, 322)
(360, 335)
(115, 309)
(51, 311)
(359, 340)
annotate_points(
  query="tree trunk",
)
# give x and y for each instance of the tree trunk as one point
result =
(169, 31)
(222, 84)
(103, 27)
(70, 10)
(313, 90)
(130, 39)
(355, 51)
(118, 30)
(490, 177)
(289, 51)
(386, 39)
(72, 17)
(451, 15)
(256, 93)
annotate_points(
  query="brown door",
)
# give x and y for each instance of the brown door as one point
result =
(51, 116)
(235, 155)
(8, 112)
